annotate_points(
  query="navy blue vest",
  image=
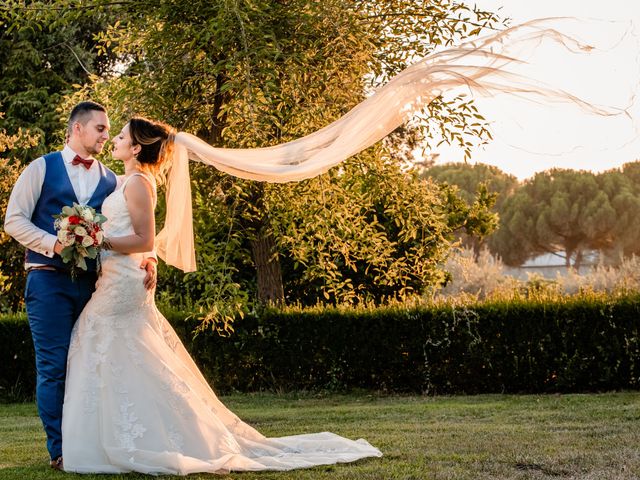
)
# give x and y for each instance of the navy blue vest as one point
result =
(57, 192)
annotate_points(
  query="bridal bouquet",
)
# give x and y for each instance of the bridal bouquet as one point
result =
(80, 233)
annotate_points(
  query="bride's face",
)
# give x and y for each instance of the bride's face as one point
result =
(122, 147)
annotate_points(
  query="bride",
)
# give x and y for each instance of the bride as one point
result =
(134, 399)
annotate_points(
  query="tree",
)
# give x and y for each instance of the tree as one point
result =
(246, 74)
(623, 192)
(631, 171)
(478, 185)
(467, 177)
(41, 58)
(556, 210)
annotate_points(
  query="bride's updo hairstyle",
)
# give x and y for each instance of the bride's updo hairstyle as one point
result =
(156, 145)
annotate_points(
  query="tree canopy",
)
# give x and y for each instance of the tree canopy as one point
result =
(250, 74)
(40, 61)
(484, 189)
(570, 211)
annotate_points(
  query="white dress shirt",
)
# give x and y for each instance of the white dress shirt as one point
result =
(25, 195)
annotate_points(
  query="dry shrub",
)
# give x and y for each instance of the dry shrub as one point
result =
(484, 278)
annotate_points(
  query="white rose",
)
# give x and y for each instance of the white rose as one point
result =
(87, 215)
(87, 241)
(80, 231)
(99, 237)
(66, 238)
(64, 223)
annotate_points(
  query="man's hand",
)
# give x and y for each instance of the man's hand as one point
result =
(57, 248)
(149, 264)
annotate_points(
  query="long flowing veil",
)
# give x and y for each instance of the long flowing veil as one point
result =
(481, 66)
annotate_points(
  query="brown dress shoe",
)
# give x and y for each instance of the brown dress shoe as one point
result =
(57, 464)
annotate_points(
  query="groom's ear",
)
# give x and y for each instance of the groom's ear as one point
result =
(75, 128)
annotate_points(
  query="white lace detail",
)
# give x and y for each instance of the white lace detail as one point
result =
(128, 427)
(176, 392)
(176, 440)
(90, 394)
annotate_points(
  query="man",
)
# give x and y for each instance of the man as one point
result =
(53, 300)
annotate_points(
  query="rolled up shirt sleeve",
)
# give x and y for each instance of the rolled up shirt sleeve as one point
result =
(22, 202)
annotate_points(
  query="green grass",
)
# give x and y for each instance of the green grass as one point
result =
(478, 437)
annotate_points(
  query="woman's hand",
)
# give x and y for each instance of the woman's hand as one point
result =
(150, 280)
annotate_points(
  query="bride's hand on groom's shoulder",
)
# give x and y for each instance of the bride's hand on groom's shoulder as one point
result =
(149, 264)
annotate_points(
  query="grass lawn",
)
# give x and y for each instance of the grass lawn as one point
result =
(476, 437)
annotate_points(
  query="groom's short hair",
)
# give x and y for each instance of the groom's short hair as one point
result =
(82, 113)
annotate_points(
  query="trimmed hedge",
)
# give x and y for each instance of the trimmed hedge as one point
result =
(17, 363)
(569, 345)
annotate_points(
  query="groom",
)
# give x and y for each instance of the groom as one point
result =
(53, 300)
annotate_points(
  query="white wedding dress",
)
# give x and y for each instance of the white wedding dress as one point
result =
(135, 400)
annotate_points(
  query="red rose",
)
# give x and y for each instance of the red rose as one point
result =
(74, 220)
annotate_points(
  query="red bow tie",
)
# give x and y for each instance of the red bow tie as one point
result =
(77, 160)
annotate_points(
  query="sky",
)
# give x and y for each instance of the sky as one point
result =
(530, 137)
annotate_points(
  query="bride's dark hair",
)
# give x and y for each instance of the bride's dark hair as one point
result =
(156, 144)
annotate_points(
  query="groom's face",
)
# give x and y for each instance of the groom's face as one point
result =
(95, 133)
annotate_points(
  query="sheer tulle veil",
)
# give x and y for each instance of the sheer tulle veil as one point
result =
(482, 67)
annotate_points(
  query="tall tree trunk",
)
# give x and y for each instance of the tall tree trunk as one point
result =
(568, 253)
(269, 271)
(477, 244)
(579, 257)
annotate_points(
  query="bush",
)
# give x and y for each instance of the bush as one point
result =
(624, 276)
(483, 277)
(586, 343)
(17, 376)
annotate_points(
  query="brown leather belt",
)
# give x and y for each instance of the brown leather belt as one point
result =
(46, 267)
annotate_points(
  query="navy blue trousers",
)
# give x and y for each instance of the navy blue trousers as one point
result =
(54, 302)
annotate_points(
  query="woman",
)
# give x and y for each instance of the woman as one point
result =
(135, 400)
